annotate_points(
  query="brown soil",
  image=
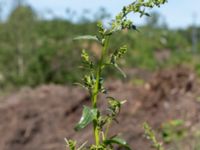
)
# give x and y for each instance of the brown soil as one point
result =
(39, 119)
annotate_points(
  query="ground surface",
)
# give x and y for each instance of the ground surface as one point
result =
(40, 118)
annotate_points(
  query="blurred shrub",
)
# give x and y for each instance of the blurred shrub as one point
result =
(173, 131)
(35, 51)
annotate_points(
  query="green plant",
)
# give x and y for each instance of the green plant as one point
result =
(173, 130)
(149, 133)
(93, 80)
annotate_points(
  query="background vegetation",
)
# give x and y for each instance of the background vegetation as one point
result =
(35, 51)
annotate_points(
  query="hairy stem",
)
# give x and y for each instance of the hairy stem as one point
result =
(96, 88)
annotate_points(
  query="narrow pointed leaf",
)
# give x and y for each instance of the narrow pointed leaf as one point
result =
(88, 116)
(120, 70)
(87, 37)
(119, 141)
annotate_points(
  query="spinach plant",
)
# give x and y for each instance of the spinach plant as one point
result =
(93, 80)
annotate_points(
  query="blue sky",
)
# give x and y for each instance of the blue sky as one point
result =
(175, 14)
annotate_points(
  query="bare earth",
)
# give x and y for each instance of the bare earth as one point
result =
(40, 118)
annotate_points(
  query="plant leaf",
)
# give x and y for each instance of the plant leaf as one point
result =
(117, 140)
(87, 37)
(88, 115)
(82, 146)
(71, 144)
(88, 64)
(120, 70)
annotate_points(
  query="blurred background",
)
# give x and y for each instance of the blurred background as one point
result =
(39, 62)
(37, 37)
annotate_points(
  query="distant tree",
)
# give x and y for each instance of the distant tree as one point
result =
(101, 14)
(84, 18)
(154, 20)
(18, 3)
(20, 26)
(70, 14)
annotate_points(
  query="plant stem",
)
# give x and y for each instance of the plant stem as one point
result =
(107, 129)
(96, 88)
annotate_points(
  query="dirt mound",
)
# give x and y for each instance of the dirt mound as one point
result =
(174, 93)
(39, 119)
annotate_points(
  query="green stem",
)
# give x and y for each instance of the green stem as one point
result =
(96, 89)
(107, 129)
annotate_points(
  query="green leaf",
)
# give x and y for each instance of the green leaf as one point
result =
(71, 144)
(87, 37)
(85, 56)
(115, 56)
(114, 107)
(82, 146)
(120, 70)
(88, 116)
(89, 81)
(149, 133)
(87, 63)
(117, 140)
